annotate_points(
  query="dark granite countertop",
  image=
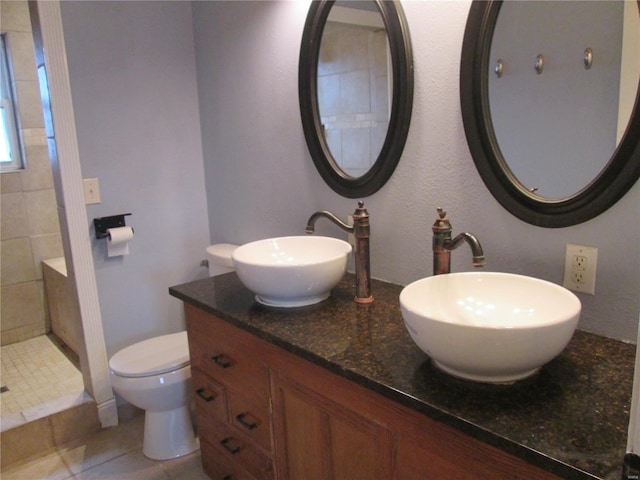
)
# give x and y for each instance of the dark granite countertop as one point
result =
(570, 419)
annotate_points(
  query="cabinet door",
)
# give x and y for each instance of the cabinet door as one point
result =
(318, 439)
(427, 450)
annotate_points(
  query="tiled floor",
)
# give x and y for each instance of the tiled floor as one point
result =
(40, 380)
(113, 453)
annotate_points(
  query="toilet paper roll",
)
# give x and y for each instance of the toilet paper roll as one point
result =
(118, 241)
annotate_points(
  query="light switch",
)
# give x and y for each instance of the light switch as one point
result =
(91, 190)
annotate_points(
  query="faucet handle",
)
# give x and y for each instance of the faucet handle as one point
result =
(442, 223)
(361, 211)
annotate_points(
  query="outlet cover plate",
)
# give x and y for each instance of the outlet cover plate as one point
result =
(91, 188)
(580, 268)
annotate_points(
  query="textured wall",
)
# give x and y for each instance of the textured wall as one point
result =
(132, 72)
(261, 181)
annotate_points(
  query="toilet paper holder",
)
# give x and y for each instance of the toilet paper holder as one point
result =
(104, 223)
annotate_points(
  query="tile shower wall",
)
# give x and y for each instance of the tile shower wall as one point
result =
(29, 228)
(354, 94)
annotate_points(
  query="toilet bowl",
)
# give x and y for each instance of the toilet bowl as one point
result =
(155, 375)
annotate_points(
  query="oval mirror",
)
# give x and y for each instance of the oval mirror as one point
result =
(549, 96)
(355, 91)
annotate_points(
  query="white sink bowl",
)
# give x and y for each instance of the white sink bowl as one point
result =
(292, 271)
(489, 327)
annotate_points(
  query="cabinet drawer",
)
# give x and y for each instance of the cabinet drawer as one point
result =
(210, 396)
(251, 419)
(228, 355)
(234, 448)
(218, 467)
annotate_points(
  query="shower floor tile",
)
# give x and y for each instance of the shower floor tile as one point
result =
(36, 373)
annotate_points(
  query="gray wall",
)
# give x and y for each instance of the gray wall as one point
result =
(133, 76)
(261, 181)
(132, 70)
(557, 129)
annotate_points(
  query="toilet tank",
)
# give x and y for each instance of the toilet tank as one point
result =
(219, 258)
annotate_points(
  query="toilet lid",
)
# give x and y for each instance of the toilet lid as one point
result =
(152, 357)
(221, 253)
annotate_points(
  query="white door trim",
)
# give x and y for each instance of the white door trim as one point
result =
(65, 159)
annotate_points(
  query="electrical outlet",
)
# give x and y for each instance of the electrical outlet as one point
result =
(579, 262)
(580, 268)
(91, 190)
(577, 276)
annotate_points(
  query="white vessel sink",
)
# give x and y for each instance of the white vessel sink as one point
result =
(292, 271)
(487, 326)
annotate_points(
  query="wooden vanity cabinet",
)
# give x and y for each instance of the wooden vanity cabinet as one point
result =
(232, 397)
(319, 439)
(310, 424)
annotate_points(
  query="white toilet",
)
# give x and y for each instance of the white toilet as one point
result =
(155, 375)
(219, 258)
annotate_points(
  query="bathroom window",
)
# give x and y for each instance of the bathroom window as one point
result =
(10, 151)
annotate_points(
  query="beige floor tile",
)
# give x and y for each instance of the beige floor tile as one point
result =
(132, 466)
(187, 467)
(46, 467)
(104, 446)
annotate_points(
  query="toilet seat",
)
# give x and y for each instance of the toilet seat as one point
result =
(154, 356)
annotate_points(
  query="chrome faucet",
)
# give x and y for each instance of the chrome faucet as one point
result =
(443, 244)
(361, 230)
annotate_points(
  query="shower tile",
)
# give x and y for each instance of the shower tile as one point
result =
(41, 380)
(12, 420)
(36, 136)
(46, 246)
(23, 58)
(29, 103)
(38, 174)
(10, 182)
(42, 211)
(19, 302)
(14, 215)
(21, 442)
(77, 422)
(15, 16)
(17, 261)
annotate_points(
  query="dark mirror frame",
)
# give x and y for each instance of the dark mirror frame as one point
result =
(402, 100)
(619, 175)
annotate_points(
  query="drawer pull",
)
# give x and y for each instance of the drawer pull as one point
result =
(230, 446)
(202, 393)
(222, 360)
(247, 421)
(228, 477)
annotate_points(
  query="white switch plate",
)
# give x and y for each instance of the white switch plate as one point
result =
(580, 268)
(91, 190)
